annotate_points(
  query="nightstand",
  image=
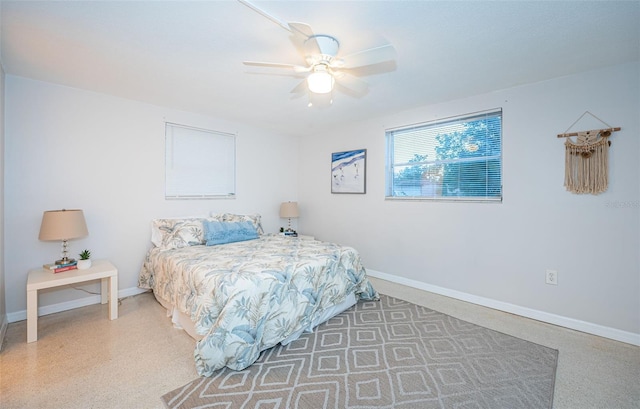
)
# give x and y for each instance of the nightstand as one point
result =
(40, 278)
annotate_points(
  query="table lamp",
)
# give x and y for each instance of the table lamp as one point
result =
(63, 225)
(289, 210)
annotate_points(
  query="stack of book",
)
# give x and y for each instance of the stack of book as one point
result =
(59, 268)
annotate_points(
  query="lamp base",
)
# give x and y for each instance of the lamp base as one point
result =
(66, 260)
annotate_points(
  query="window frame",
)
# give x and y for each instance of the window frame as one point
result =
(390, 166)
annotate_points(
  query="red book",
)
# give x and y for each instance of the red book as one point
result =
(67, 268)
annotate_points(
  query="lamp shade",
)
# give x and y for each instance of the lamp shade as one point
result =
(320, 82)
(289, 210)
(63, 225)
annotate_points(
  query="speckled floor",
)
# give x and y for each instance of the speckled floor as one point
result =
(83, 360)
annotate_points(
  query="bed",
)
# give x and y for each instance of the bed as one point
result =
(240, 297)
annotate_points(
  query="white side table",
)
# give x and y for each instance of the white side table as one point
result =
(40, 278)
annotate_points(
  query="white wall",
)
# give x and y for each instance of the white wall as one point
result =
(3, 309)
(68, 148)
(500, 251)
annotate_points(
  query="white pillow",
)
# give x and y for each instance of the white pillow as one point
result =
(176, 233)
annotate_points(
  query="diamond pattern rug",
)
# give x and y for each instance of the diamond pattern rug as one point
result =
(385, 354)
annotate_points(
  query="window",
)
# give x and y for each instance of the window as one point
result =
(454, 159)
(199, 163)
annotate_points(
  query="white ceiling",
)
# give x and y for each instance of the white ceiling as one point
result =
(188, 54)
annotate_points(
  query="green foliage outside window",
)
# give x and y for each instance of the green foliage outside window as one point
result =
(460, 158)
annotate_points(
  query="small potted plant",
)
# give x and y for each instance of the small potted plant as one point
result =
(85, 259)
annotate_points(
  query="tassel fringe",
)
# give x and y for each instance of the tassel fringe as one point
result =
(586, 164)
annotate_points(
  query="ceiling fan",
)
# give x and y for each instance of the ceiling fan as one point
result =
(324, 67)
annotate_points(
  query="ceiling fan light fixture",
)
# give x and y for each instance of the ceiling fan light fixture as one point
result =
(320, 82)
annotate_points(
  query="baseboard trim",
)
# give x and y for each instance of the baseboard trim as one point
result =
(69, 305)
(4, 323)
(571, 323)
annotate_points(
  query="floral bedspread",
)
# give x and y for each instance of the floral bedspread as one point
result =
(248, 296)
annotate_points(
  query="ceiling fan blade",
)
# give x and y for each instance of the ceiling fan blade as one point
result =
(296, 68)
(304, 40)
(265, 14)
(301, 32)
(300, 89)
(302, 29)
(350, 84)
(370, 56)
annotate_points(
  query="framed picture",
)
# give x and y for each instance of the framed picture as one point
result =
(349, 171)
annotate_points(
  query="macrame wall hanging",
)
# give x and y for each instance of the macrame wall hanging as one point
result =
(587, 159)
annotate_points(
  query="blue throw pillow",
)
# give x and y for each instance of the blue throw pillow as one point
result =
(228, 232)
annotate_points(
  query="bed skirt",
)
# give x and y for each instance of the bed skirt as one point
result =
(183, 322)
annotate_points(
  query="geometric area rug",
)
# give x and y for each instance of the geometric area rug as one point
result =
(385, 354)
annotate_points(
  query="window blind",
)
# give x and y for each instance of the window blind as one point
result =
(199, 163)
(457, 158)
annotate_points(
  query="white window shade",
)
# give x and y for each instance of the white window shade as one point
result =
(199, 163)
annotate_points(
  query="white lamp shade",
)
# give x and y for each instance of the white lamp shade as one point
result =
(289, 210)
(320, 82)
(63, 225)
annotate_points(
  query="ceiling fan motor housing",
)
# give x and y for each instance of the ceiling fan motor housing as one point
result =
(322, 44)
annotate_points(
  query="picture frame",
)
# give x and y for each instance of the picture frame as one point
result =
(349, 171)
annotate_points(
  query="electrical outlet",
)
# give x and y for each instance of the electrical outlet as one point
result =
(551, 277)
